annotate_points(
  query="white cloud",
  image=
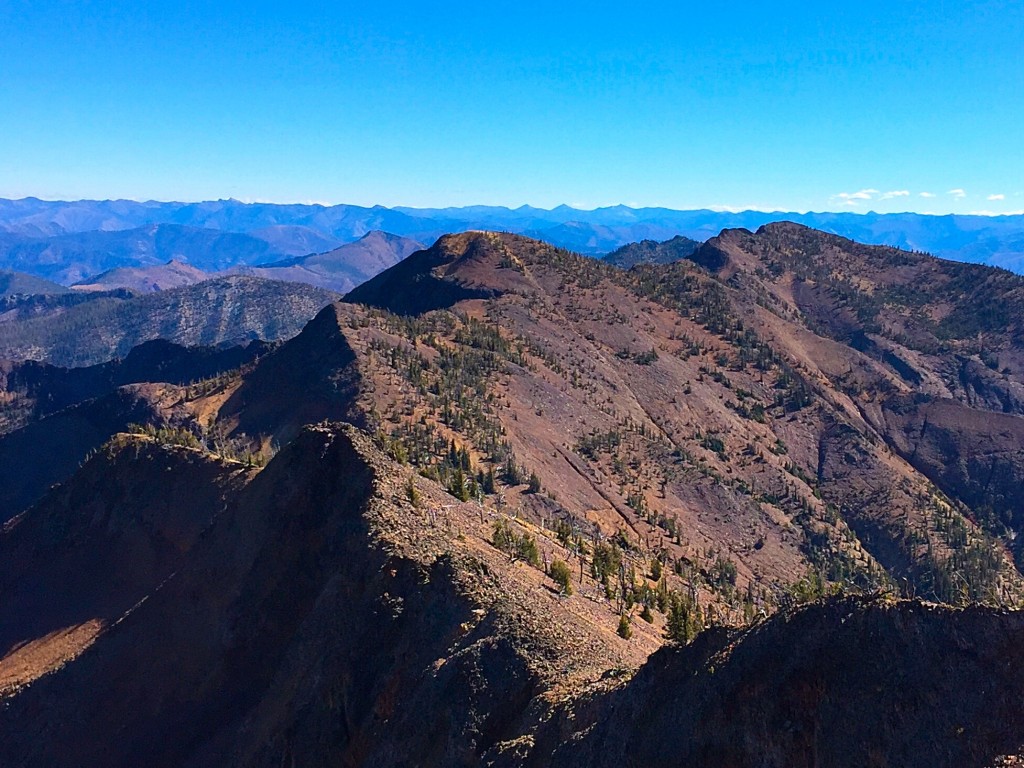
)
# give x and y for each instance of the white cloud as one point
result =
(851, 198)
(896, 193)
(959, 194)
(927, 194)
(996, 197)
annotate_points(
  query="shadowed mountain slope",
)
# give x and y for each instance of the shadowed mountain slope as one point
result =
(31, 390)
(48, 451)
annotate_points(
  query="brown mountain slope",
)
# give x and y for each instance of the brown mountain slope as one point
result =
(931, 353)
(659, 408)
(737, 420)
(84, 558)
(318, 613)
(320, 604)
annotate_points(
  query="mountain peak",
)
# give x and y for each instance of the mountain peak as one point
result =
(474, 264)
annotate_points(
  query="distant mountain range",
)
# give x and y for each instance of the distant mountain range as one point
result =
(74, 241)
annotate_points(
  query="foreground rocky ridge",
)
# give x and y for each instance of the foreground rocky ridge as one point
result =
(322, 614)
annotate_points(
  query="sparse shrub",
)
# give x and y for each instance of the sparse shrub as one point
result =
(518, 547)
(625, 631)
(561, 575)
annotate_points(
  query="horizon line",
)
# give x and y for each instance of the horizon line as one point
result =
(718, 209)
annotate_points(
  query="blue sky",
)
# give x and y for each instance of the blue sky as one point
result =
(796, 106)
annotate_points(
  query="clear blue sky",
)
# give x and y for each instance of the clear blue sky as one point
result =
(763, 104)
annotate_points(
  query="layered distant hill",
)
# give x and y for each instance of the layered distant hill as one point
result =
(19, 284)
(160, 277)
(343, 268)
(74, 257)
(573, 507)
(34, 234)
(86, 328)
(340, 269)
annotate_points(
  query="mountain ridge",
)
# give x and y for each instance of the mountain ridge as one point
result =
(994, 239)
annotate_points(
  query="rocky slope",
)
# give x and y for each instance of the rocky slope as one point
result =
(668, 395)
(931, 353)
(311, 613)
